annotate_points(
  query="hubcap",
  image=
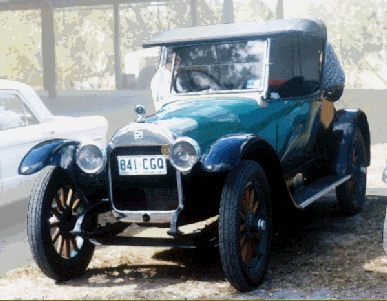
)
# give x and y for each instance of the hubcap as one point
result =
(65, 208)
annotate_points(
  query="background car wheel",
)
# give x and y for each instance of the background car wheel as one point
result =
(351, 194)
(245, 226)
(53, 209)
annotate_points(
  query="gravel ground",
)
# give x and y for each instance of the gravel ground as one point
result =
(320, 255)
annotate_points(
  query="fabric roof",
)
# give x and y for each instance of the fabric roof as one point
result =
(189, 35)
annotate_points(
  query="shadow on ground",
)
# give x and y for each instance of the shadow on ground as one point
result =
(320, 248)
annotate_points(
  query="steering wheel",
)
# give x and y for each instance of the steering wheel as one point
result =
(188, 73)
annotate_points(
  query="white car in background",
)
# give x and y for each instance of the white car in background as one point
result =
(24, 122)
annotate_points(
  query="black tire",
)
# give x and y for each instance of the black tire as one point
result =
(245, 193)
(59, 254)
(351, 194)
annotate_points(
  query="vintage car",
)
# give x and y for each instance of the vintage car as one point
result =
(26, 121)
(243, 134)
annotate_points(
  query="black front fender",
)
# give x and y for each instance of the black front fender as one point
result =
(57, 152)
(228, 151)
(225, 153)
(61, 153)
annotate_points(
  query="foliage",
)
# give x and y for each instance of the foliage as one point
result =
(358, 30)
(84, 36)
(20, 50)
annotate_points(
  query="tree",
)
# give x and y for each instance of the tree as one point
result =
(357, 29)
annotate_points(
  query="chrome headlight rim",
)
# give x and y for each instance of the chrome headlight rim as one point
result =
(98, 169)
(196, 147)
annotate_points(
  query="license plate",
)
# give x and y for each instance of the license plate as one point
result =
(142, 165)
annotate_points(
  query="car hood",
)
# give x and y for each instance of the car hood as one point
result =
(206, 120)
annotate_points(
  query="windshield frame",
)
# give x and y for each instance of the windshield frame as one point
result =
(264, 72)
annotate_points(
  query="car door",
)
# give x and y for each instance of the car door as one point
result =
(294, 86)
(19, 131)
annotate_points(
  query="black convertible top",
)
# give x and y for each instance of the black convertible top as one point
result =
(192, 35)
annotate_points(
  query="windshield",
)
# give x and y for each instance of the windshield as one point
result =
(213, 68)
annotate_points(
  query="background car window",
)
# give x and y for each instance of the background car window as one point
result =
(14, 113)
(295, 67)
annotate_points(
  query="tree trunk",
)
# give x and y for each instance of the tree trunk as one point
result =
(228, 11)
(194, 11)
(279, 12)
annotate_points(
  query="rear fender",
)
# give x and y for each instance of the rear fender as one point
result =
(344, 126)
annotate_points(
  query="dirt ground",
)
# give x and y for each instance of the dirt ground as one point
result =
(320, 254)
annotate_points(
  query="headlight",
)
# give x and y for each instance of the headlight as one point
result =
(184, 154)
(90, 158)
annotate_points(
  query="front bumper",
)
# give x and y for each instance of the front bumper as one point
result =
(152, 216)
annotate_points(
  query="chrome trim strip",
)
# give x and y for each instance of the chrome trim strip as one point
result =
(153, 134)
(323, 192)
(179, 189)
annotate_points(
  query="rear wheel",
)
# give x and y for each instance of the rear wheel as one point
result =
(55, 204)
(351, 194)
(245, 226)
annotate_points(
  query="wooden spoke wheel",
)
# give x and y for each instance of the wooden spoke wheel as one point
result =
(351, 194)
(64, 212)
(245, 226)
(252, 226)
(55, 204)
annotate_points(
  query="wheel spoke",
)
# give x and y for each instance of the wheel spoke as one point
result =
(251, 197)
(58, 204)
(74, 244)
(247, 250)
(69, 197)
(255, 207)
(59, 247)
(243, 243)
(56, 213)
(246, 201)
(76, 204)
(55, 236)
(251, 250)
(242, 227)
(242, 216)
(54, 225)
(66, 252)
(62, 197)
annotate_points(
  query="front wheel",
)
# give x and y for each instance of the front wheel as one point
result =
(245, 226)
(55, 204)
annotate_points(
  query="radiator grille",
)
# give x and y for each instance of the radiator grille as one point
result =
(145, 192)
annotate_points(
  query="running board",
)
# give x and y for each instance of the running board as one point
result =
(307, 195)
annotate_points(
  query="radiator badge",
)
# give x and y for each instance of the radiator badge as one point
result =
(138, 135)
(165, 150)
